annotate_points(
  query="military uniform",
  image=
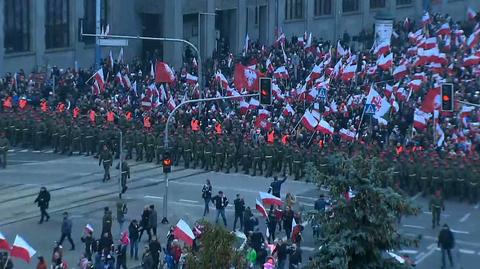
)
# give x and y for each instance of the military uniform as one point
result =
(75, 141)
(105, 157)
(245, 155)
(219, 150)
(198, 152)
(279, 155)
(207, 156)
(124, 177)
(257, 160)
(150, 148)
(139, 142)
(436, 206)
(4, 145)
(187, 151)
(159, 148)
(129, 143)
(288, 163)
(297, 164)
(231, 152)
(268, 160)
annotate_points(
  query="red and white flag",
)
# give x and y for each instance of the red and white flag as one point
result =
(263, 114)
(110, 60)
(264, 123)
(4, 243)
(171, 104)
(120, 56)
(22, 250)
(471, 14)
(473, 39)
(260, 208)
(126, 81)
(119, 79)
(164, 73)
(246, 77)
(346, 135)
(280, 40)
(349, 72)
(98, 76)
(415, 85)
(432, 100)
(191, 79)
(426, 19)
(471, 60)
(183, 232)
(281, 73)
(288, 111)
(270, 199)
(314, 74)
(400, 72)
(340, 50)
(324, 127)
(385, 62)
(221, 79)
(444, 29)
(244, 107)
(309, 121)
(253, 104)
(382, 48)
(420, 119)
(430, 43)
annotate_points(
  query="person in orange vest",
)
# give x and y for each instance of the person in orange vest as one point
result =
(22, 103)
(76, 112)
(285, 138)
(61, 107)
(271, 137)
(128, 115)
(218, 128)
(44, 105)
(7, 103)
(399, 149)
(146, 122)
(195, 125)
(110, 116)
(92, 116)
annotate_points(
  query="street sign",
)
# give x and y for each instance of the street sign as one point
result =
(369, 109)
(108, 42)
(322, 93)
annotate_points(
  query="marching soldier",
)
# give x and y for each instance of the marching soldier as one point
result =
(159, 143)
(75, 140)
(4, 144)
(40, 132)
(105, 156)
(436, 207)
(139, 142)
(245, 155)
(89, 140)
(288, 163)
(297, 163)
(187, 151)
(129, 141)
(257, 160)
(198, 152)
(207, 155)
(279, 156)
(102, 136)
(268, 160)
(150, 149)
(125, 175)
(219, 155)
(473, 185)
(231, 153)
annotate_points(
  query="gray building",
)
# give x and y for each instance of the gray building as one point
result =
(38, 34)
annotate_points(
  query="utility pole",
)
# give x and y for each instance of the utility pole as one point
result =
(98, 53)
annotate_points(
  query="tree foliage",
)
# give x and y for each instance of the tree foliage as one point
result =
(359, 232)
(216, 249)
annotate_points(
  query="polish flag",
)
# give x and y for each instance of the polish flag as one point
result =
(4, 243)
(372, 69)
(324, 127)
(465, 112)
(183, 232)
(118, 79)
(191, 79)
(221, 79)
(420, 119)
(400, 72)
(430, 43)
(280, 40)
(260, 208)
(89, 228)
(382, 49)
(349, 72)
(288, 111)
(110, 60)
(163, 94)
(263, 113)
(269, 65)
(95, 89)
(471, 14)
(163, 73)
(439, 58)
(432, 101)
(270, 199)
(300, 41)
(312, 95)
(22, 250)
(340, 50)
(473, 39)
(281, 73)
(309, 121)
(346, 135)
(277, 93)
(246, 77)
(171, 104)
(388, 90)
(244, 107)
(385, 62)
(403, 95)
(98, 76)
(263, 123)
(314, 74)
(444, 30)
(415, 85)
(126, 81)
(254, 103)
(471, 60)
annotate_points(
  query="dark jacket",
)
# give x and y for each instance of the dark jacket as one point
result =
(43, 199)
(276, 186)
(153, 218)
(133, 231)
(446, 239)
(66, 226)
(239, 205)
(107, 222)
(220, 202)
(207, 192)
(147, 261)
(90, 245)
(320, 205)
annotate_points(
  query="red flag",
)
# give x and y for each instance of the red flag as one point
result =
(432, 100)
(4, 243)
(260, 208)
(246, 78)
(164, 73)
(22, 250)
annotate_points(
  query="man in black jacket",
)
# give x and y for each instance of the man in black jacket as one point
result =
(239, 209)
(133, 232)
(276, 186)
(446, 242)
(43, 199)
(220, 202)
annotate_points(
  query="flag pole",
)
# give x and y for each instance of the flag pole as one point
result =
(299, 121)
(360, 124)
(434, 128)
(90, 78)
(8, 259)
(310, 140)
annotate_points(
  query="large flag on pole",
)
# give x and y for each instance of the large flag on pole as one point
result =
(22, 250)
(270, 199)
(183, 232)
(260, 208)
(4, 243)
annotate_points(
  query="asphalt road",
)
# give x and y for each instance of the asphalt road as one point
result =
(75, 184)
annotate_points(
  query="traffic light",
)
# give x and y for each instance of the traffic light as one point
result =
(265, 91)
(167, 163)
(447, 97)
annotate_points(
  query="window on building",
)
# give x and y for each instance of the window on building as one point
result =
(89, 18)
(17, 26)
(377, 4)
(404, 2)
(57, 31)
(350, 5)
(323, 7)
(293, 9)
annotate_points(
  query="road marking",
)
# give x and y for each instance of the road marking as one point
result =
(429, 252)
(48, 151)
(24, 150)
(11, 150)
(36, 151)
(464, 218)
(467, 251)
(188, 201)
(414, 226)
(306, 197)
(477, 206)
(419, 255)
(459, 232)
(306, 204)
(416, 196)
(153, 197)
(310, 249)
(461, 242)
(430, 213)
(408, 251)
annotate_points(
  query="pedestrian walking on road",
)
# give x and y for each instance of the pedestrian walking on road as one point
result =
(105, 157)
(436, 207)
(207, 196)
(145, 223)
(43, 200)
(276, 186)
(121, 212)
(107, 221)
(133, 231)
(221, 202)
(446, 242)
(89, 241)
(125, 174)
(66, 231)
(239, 204)
(153, 220)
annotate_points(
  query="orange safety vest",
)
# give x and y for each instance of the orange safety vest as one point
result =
(195, 125)
(129, 116)
(44, 106)
(399, 150)
(321, 143)
(22, 103)
(76, 112)
(285, 139)
(61, 107)
(110, 116)
(271, 137)
(146, 122)
(92, 116)
(218, 128)
(8, 102)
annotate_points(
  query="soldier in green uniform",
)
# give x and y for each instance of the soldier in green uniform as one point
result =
(4, 145)
(187, 150)
(40, 132)
(89, 140)
(297, 163)
(257, 154)
(219, 150)
(288, 163)
(448, 179)
(268, 149)
(75, 141)
(26, 137)
(198, 151)
(105, 156)
(245, 157)
(412, 178)
(176, 148)
(159, 148)
(473, 185)
(436, 207)
(150, 147)
(139, 142)
(425, 178)
(460, 184)
(14, 132)
(63, 139)
(124, 177)
(231, 154)
(279, 155)
(102, 137)
(129, 143)
(207, 155)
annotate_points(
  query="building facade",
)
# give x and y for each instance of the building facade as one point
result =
(38, 34)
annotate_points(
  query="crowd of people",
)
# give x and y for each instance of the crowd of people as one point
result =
(320, 89)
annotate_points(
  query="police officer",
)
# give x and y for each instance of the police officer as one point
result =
(43, 200)
(105, 157)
